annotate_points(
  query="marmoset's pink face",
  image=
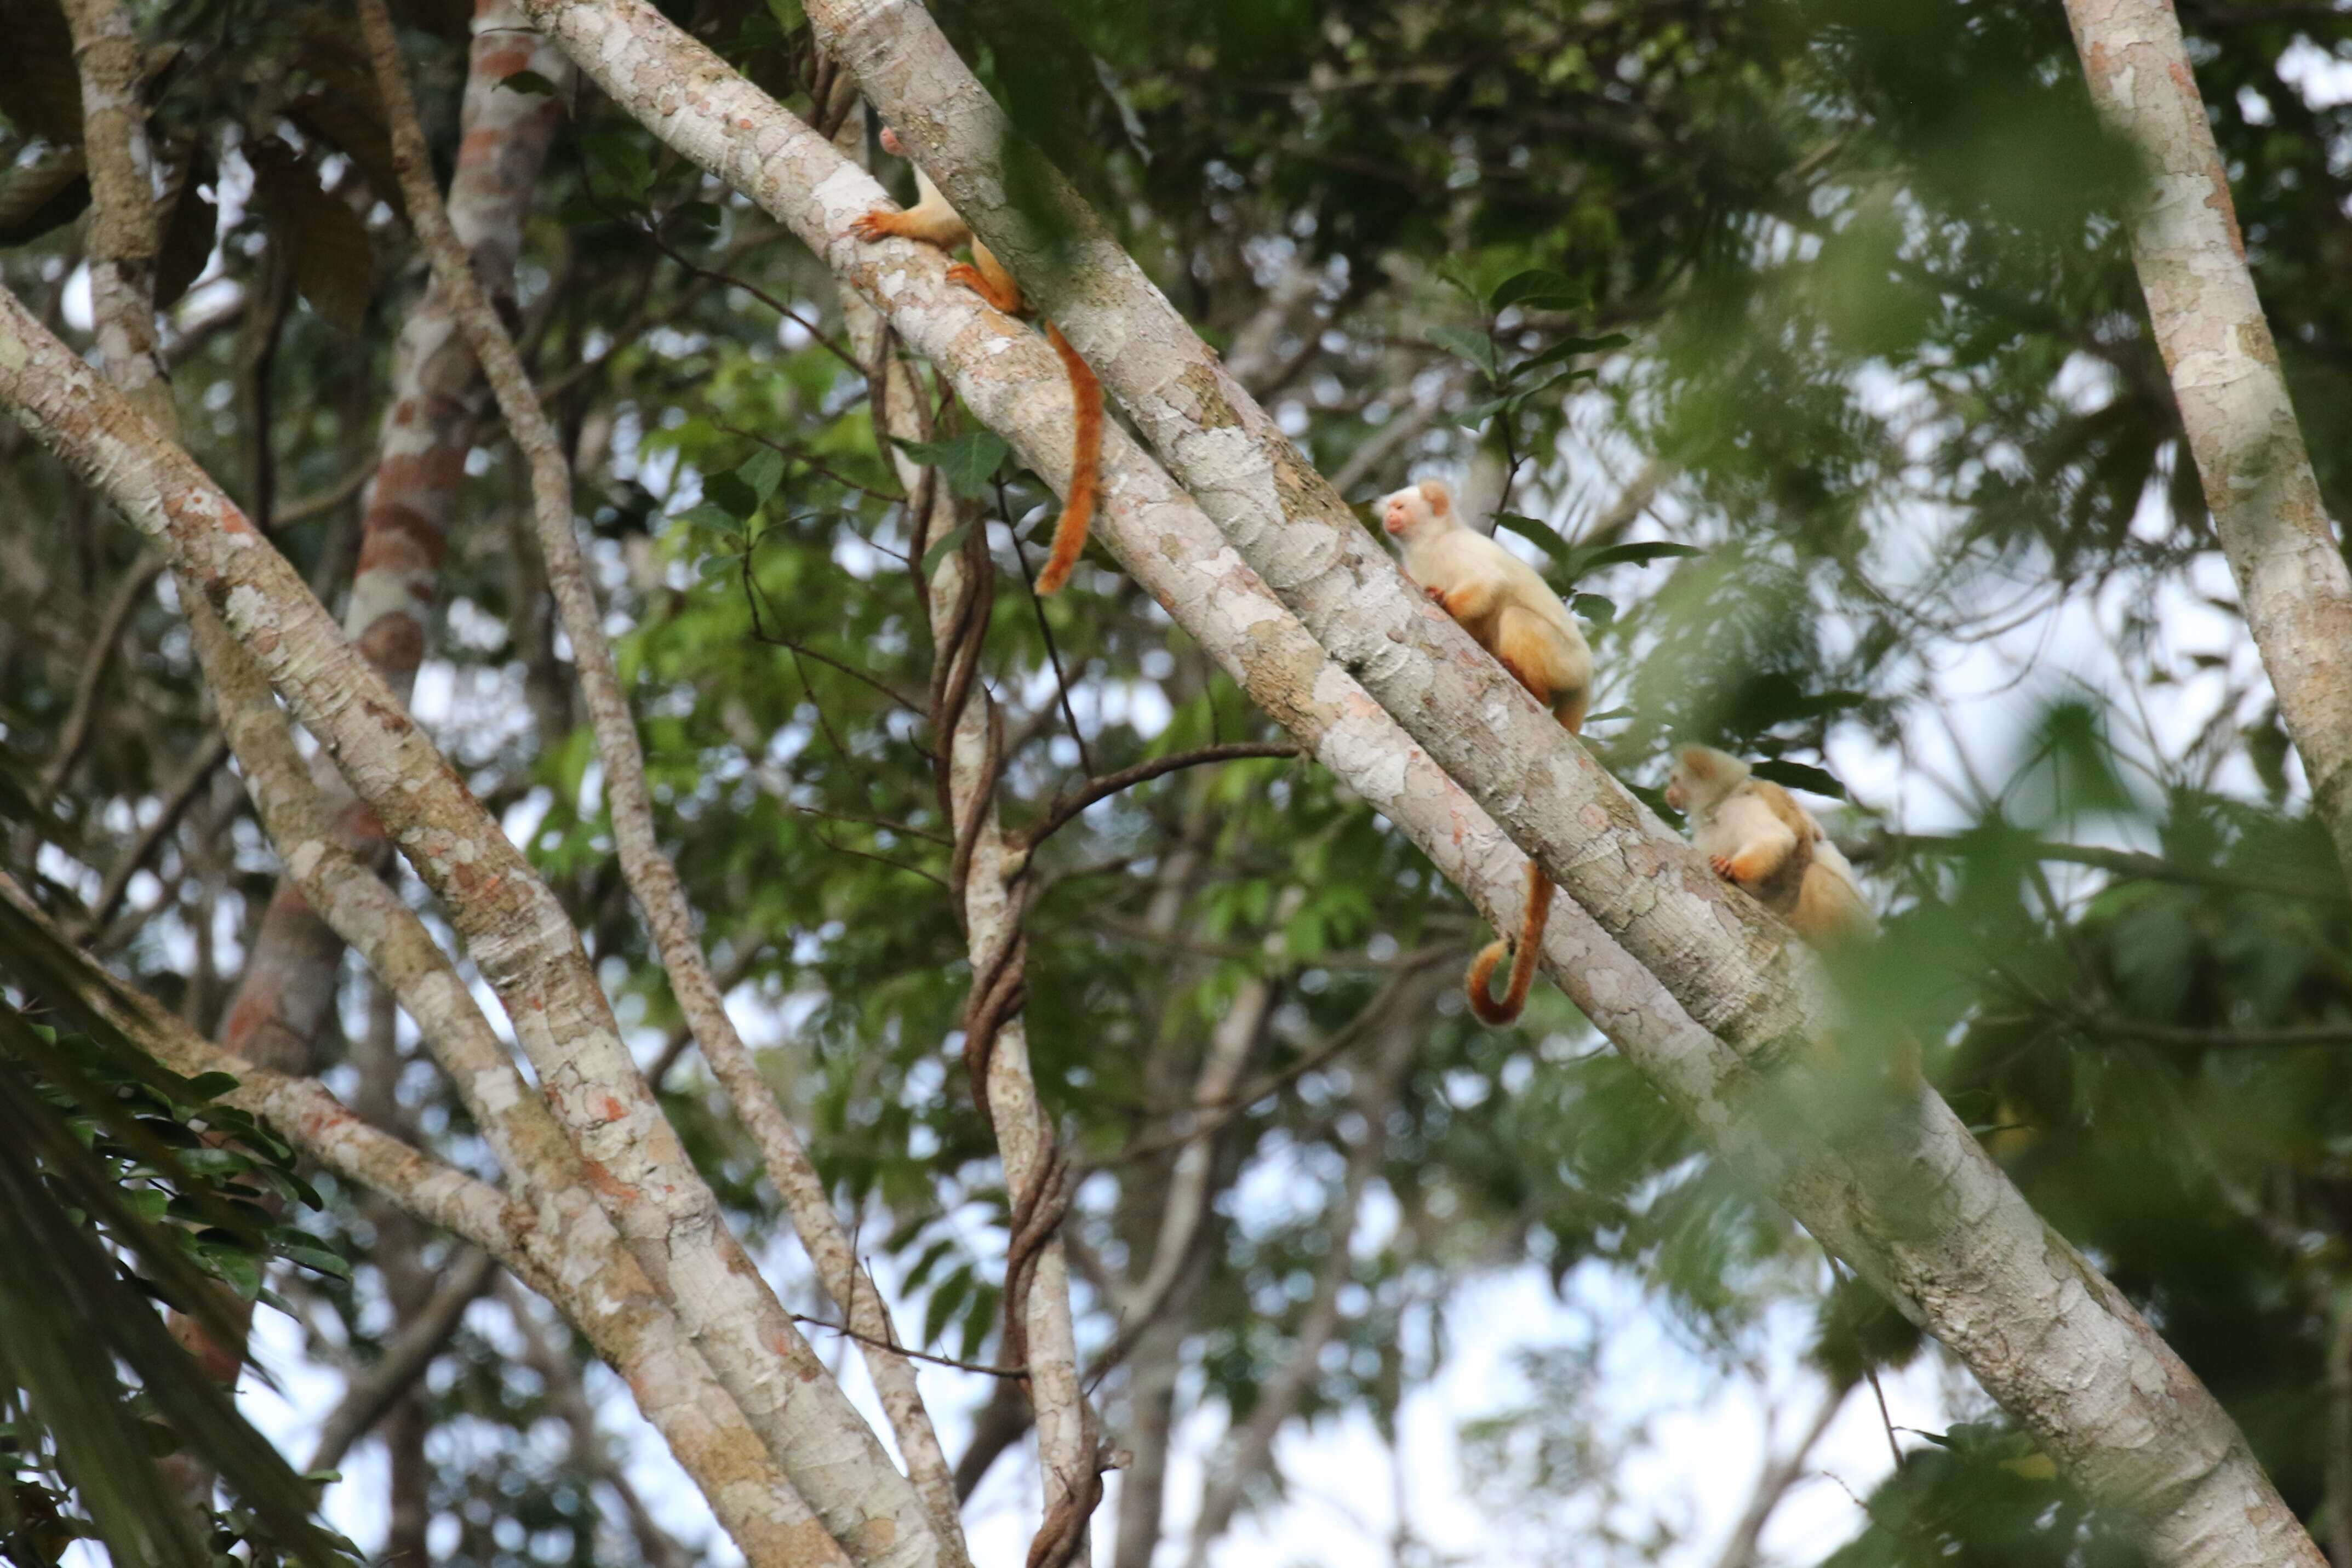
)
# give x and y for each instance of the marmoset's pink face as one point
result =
(891, 144)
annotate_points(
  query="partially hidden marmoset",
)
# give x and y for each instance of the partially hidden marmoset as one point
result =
(1755, 834)
(934, 222)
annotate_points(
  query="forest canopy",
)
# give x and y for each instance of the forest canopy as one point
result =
(577, 930)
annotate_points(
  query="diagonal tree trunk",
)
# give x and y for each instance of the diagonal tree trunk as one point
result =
(1912, 1202)
(516, 929)
(651, 875)
(2225, 375)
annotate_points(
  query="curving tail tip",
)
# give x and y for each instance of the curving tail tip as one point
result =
(1086, 464)
(1489, 1010)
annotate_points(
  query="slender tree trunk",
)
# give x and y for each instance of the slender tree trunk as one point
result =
(957, 597)
(2242, 428)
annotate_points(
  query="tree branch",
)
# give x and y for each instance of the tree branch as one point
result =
(1064, 807)
(2234, 409)
(651, 875)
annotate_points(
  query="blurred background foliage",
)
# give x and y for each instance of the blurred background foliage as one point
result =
(1834, 297)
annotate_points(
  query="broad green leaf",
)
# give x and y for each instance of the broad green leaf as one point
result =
(941, 547)
(1541, 534)
(762, 470)
(1540, 289)
(730, 495)
(327, 243)
(43, 195)
(1799, 775)
(703, 514)
(618, 166)
(1475, 417)
(1601, 611)
(1640, 554)
(1461, 341)
(966, 462)
(1568, 348)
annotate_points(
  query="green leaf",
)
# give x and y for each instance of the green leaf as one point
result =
(1641, 554)
(788, 15)
(210, 1085)
(703, 514)
(1798, 776)
(1601, 611)
(1539, 288)
(953, 1293)
(937, 552)
(327, 244)
(1539, 534)
(730, 495)
(1477, 413)
(714, 567)
(618, 165)
(965, 461)
(764, 470)
(529, 82)
(240, 1273)
(1464, 344)
(1568, 348)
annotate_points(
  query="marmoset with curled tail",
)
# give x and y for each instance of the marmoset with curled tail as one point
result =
(1507, 607)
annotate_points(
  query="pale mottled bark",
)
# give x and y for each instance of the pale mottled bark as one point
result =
(289, 984)
(652, 876)
(1912, 1202)
(514, 927)
(121, 237)
(2242, 429)
(990, 917)
(604, 1290)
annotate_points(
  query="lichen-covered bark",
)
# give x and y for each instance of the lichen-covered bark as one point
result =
(652, 876)
(2225, 375)
(1910, 1200)
(513, 926)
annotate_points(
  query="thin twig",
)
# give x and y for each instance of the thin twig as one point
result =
(800, 651)
(794, 454)
(1019, 1373)
(209, 756)
(137, 579)
(1045, 630)
(729, 281)
(1059, 813)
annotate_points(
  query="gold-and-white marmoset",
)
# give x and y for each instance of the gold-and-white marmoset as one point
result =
(1512, 612)
(932, 221)
(1755, 834)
